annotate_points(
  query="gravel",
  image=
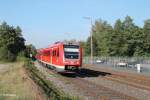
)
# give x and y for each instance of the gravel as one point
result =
(138, 93)
(122, 88)
(61, 83)
(87, 88)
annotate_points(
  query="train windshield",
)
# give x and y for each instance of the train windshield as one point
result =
(71, 51)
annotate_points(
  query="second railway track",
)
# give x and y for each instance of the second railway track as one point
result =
(136, 80)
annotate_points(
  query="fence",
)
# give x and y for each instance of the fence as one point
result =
(122, 63)
(114, 60)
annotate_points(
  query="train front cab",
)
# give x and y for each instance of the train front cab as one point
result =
(72, 58)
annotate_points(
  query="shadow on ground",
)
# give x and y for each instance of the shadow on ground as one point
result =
(84, 72)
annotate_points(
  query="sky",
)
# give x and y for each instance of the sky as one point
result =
(44, 22)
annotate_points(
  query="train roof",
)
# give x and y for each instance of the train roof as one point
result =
(65, 43)
(58, 43)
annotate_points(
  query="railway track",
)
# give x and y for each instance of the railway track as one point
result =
(98, 91)
(129, 83)
(139, 81)
(91, 90)
(95, 91)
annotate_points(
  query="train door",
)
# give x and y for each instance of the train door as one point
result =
(57, 55)
(50, 56)
(54, 55)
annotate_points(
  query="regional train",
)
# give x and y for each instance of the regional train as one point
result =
(61, 56)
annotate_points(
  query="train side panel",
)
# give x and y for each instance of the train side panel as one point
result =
(57, 57)
(62, 58)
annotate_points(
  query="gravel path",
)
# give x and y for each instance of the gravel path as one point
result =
(4, 67)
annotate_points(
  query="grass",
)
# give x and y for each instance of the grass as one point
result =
(13, 83)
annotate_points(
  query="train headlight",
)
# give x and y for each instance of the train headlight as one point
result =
(77, 62)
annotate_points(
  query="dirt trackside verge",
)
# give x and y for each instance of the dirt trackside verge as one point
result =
(50, 90)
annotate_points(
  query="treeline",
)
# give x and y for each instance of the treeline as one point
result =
(12, 43)
(123, 39)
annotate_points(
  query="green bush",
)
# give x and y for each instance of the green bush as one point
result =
(6, 55)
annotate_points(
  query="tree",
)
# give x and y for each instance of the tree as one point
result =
(124, 39)
(87, 49)
(101, 31)
(11, 40)
(139, 39)
(146, 33)
(130, 31)
(30, 49)
(118, 40)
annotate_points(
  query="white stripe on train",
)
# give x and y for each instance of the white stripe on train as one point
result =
(62, 67)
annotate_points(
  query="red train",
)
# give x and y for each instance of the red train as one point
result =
(61, 56)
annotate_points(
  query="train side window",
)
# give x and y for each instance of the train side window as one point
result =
(58, 52)
(48, 53)
(53, 52)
